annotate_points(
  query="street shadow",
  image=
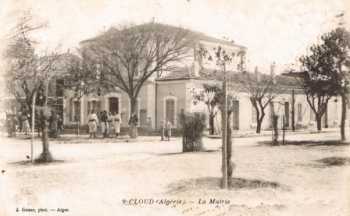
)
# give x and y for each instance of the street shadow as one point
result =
(334, 161)
(87, 140)
(213, 183)
(309, 143)
(328, 162)
(35, 163)
(194, 152)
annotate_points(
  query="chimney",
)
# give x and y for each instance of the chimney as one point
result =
(272, 69)
(257, 74)
(272, 72)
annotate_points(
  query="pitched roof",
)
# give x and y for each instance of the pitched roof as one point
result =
(284, 83)
(196, 34)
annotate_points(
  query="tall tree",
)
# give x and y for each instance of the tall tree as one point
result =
(223, 58)
(261, 90)
(210, 96)
(129, 56)
(318, 79)
(336, 45)
(28, 75)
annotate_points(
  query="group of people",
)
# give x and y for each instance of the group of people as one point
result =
(106, 122)
(14, 123)
(20, 122)
(55, 125)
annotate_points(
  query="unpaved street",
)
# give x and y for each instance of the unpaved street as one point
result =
(149, 177)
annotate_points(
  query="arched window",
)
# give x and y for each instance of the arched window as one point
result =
(74, 110)
(94, 105)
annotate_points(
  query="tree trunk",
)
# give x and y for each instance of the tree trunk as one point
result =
(45, 156)
(33, 128)
(275, 129)
(319, 122)
(230, 164)
(293, 110)
(156, 105)
(258, 126)
(211, 124)
(343, 117)
(260, 114)
(133, 118)
(326, 116)
(224, 181)
(259, 120)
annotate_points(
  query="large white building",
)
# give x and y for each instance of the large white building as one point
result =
(166, 97)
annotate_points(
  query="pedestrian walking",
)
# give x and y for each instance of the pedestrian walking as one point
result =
(93, 121)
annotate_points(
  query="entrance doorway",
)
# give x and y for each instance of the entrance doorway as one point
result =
(114, 105)
(170, 110)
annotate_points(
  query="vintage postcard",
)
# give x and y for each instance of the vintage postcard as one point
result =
(174, 107)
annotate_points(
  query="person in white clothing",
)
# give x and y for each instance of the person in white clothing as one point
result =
(116, 123)
(93, 120)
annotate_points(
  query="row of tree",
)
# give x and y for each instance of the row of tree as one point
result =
(325, 75)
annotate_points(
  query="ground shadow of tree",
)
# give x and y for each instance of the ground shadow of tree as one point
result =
(181, 153)
(334, 161)
(213, 183)
(36, 162)
(310, 143)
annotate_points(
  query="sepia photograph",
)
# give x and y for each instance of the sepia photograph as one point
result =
(175, 108)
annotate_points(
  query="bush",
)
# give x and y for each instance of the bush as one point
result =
(192, 127)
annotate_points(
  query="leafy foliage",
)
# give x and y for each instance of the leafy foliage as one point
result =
(324, 74)
(127, 57)
(261, 90)
(211, 96)
(193, 126)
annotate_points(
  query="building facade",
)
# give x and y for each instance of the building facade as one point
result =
(164, 98)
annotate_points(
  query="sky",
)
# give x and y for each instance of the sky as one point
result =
(272, 30)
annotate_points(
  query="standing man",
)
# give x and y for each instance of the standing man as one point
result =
(93, 120)
(117, 123)
(104, 123)
(168, 130)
